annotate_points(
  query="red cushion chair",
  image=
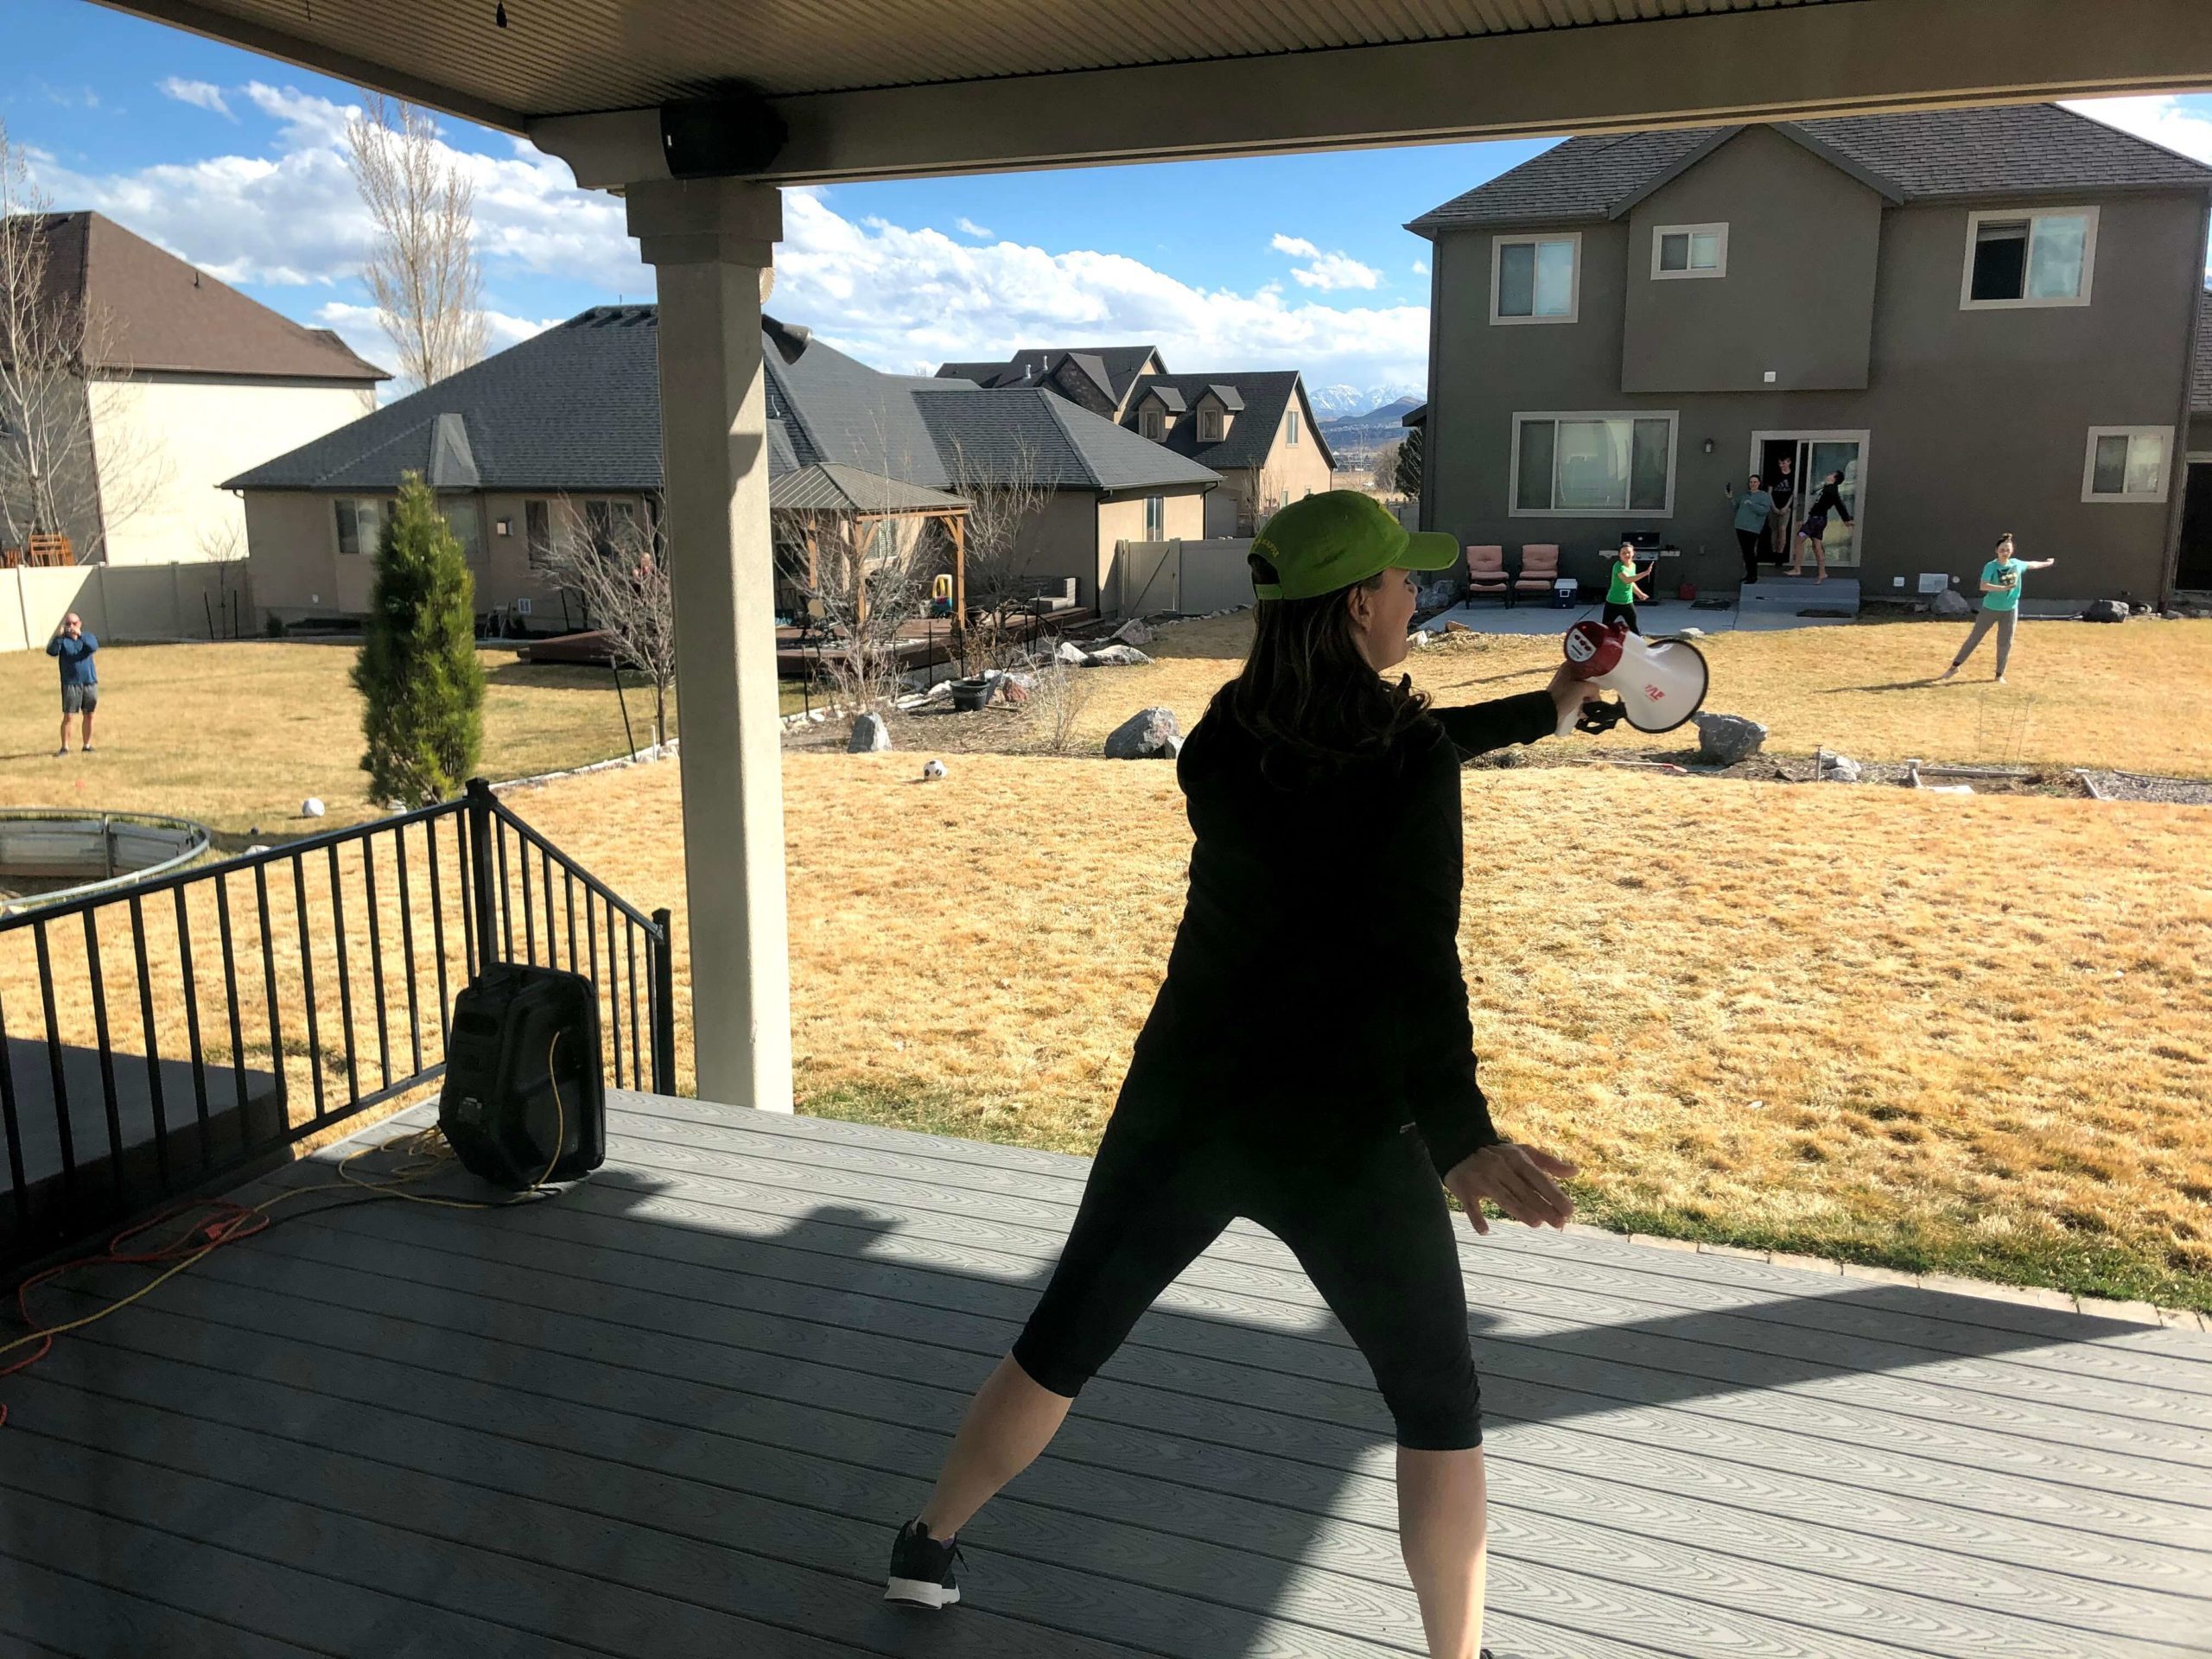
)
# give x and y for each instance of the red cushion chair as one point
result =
(1539, 568)
(1486, 573)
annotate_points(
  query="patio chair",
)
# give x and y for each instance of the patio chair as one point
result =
(1486, 573)
(1539, 568)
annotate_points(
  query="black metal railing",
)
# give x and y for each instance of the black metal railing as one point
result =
(168, 1037)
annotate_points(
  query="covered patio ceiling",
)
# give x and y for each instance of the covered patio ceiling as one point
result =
(878, 88)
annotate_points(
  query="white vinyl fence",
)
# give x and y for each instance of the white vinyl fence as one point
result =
(187, 600)
(1189, 577)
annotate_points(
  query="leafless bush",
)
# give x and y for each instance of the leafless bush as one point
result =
(617, 565)
(1058, 693)
(1004, 496)
(72, 461)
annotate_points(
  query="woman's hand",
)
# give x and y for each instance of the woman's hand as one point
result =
(1523, 1181)
(1569, 694)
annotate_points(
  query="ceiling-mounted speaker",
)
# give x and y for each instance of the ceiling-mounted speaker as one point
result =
(725, 135)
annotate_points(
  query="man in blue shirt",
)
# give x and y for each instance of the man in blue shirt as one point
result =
(80, 685)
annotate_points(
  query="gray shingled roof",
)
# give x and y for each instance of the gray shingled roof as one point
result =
(1119, 365)
(848, 489)
(2022, 149)
(1266, 393)
(1065, 447)
(577, 410)
(2200, 368)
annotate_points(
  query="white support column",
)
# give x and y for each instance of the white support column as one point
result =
(712, 244)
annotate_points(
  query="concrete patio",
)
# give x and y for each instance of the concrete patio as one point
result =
(1773, 604)
(677, 1410)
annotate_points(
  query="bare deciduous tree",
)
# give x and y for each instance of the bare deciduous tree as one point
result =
(1004, 495)
(74, 461)
(1265, 496)
(1385, 472)
(617, 565)
(422, 268)
(864, 578)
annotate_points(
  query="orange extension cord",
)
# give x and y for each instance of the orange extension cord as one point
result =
(424, 1153)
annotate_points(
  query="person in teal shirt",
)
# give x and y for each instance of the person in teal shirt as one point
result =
(2001, 605)
(1754, 506)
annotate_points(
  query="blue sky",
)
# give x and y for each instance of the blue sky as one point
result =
(234, 161)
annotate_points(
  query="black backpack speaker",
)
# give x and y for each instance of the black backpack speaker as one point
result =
(523, 1100)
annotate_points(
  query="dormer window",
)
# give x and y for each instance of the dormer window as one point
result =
(1212, 424)
(1153, 422)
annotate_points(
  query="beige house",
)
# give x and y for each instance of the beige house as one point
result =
(198, 383)
(570, 419)
(1256, 430)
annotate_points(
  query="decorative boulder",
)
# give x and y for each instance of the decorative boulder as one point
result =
(1073, 655)
(2106, 610)
(1723, 740)
(1134, 633)
(870, 735)
(1838, 768)
(311, 808)
(1118, 657)
(1951, 602)
(1148, 733)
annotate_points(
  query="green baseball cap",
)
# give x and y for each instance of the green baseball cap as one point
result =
(1330, 541)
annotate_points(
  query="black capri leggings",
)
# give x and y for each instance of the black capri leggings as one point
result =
(1365, 1216)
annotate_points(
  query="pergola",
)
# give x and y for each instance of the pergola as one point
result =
(697, 110)
(814, 498)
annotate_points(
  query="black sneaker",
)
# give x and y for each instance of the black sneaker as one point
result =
(921, 1568)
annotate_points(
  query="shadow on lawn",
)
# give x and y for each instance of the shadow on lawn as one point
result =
(703, 1407)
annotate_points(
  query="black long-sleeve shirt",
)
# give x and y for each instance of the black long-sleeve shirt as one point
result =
(1315, 983)
(1829, 499)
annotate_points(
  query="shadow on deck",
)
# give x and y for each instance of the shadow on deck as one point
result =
(678, 1411)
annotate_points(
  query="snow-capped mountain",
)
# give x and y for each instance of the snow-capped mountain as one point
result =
(1338, 403)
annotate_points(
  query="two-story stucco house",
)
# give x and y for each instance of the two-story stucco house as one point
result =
(195, 382)
(1983, 318)
(1255, 427)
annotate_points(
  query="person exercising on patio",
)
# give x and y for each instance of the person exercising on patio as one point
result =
(1309, 1062)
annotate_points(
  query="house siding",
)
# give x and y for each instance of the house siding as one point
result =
(1978, 421)
(184, 436)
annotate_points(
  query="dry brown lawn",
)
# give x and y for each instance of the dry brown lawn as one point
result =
(2136, 697)
(1966, 1033)
(237, 734)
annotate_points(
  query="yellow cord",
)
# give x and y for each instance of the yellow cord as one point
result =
(426, 1152)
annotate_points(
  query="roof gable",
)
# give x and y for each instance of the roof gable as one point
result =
(1262, 396)
(2019, 150)
(163, 315)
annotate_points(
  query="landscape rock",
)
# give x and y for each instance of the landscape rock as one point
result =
(1838, 768)
(1435, 595)
(1118, 657)
(932, 771)
(1133, 633)
(1145, 735)
(2105, 610)
(1071, 653)
(1950, 603)
(1417, 639)
(1457, 627)
(1726, 738)
(870, 735)
(311, 808)
(1516, 756)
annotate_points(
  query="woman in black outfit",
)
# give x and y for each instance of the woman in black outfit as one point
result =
(1828, 499)
(1309, 1061)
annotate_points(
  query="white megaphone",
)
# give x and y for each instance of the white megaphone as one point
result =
(1661, 682)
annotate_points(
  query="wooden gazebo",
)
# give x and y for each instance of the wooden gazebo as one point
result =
(828, 492)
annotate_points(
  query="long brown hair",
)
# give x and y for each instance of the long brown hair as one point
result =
(1307, 692)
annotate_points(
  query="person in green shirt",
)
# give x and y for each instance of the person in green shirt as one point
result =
(2001, 605)
(1754, 506)
(1622, 595)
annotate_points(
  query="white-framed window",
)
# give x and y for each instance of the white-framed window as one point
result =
(1290, 427)
(1153, 424)
(1155, 517)
(2020, 258)
(1211, 424)
(2126, 464)
(1679, 251)
(1590, 466)
(360, 523)
(1535, 279)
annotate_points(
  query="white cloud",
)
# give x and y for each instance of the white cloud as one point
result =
(2181, 124)
(907, 300)
(970, 227)
(1421, 267)
(201, 94)
(1328, 271)
(306, 120)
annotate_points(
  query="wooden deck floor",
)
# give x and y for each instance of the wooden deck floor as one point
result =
(678, 1410)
